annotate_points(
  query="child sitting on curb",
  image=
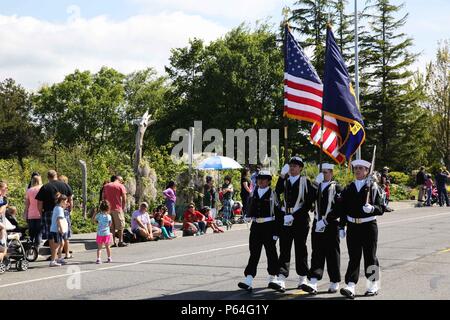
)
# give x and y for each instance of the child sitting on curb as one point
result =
(210, 222)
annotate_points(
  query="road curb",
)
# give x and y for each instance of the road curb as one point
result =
(87, 244)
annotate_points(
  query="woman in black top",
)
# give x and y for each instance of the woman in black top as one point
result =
(245, 189)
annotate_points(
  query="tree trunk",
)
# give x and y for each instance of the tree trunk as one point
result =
(84, 186)
(142, 127)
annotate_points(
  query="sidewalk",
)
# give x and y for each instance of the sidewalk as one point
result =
(86, 241)
(400, 205)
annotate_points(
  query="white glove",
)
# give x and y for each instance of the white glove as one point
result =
(248, 219)
(319, 178)
(284, 171)
(368, 208)
(288, 219)
(342, 233)
(275, 238)
(320, 226)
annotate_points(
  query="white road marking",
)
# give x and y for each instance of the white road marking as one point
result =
(120, 266)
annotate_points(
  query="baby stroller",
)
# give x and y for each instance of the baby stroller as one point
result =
(434, 196)
(16, 251)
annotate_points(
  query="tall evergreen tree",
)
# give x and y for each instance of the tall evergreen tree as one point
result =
(344, 30)
(310, 18)
(389, 98)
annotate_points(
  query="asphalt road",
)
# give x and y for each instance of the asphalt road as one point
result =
(414, 253)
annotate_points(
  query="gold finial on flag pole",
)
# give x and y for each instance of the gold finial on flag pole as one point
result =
(286, 12)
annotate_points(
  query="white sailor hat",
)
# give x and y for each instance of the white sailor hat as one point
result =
(296, 160)
(327, 166)
(361, 163)
(264, 174)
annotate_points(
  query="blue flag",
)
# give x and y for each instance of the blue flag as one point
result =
(339, 100)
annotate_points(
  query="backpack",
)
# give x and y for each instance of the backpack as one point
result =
(128, 237)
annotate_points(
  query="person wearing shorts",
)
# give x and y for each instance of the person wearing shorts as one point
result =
(104, 236)
(58, 230)
(116, 195)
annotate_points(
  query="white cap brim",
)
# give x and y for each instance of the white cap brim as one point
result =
(327, 166)
(264, 174)
(361, 163)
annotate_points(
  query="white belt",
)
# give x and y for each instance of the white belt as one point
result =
(263, 220)
(292, 210)
(362, 220)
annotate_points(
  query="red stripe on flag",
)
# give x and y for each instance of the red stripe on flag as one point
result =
(311, 117)
(302, 115)
(326, 134)
(309, 102)
(332, 147)
(303, 87)
(315, 129)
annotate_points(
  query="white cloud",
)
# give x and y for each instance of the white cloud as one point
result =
(35, 52)
(237, 10)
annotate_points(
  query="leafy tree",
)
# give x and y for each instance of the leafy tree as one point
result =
(234, 82)
(438, 103)
(83, 109)
(19, 132)
(144, 91)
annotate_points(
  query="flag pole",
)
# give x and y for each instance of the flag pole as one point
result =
(358, 152)
(285, 13)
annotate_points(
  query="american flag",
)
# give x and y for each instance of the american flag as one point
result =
(303, 93)
(330, 142)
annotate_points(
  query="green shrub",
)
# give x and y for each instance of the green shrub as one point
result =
(81, 225)
(401, 192)
(399, 178)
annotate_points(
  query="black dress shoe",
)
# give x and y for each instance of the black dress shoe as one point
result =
(371, 294)
(308, 289)
(245, 286)
(332, 291)
(276, 287)
(347, 293)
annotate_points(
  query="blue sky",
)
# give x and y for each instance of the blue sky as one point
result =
(46, 39)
